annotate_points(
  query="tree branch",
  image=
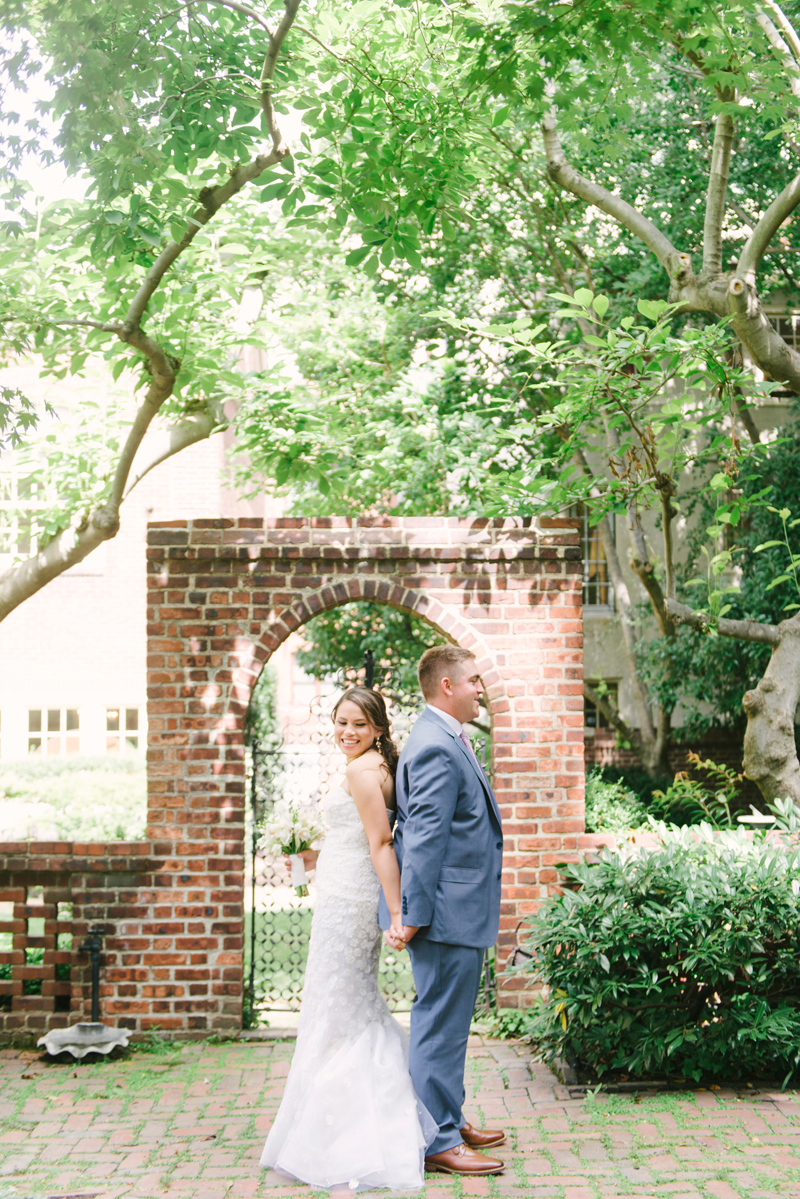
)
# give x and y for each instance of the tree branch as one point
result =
(752, 326)
(213, 198)
(668, 514)
(604, 705)
(247, 12)
(565, 176)
(786, 27)
(746, 417)
(87, 532)
(742, 630)
(66, 549)
(715, 197)
(755, 247)
(623, 603)
(276, 40)
(645, 571)
(86, 323)
(790, 63)
(163, 370)
(742, 213)
(192, 429)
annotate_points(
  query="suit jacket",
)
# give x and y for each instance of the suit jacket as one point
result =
(448, 839)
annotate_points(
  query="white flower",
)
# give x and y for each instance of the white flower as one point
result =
(288, 830)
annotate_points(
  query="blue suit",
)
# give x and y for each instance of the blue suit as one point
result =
(449, 844)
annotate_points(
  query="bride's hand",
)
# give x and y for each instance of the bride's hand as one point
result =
(309, 857)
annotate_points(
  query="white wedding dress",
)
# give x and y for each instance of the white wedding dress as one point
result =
(349, 1115)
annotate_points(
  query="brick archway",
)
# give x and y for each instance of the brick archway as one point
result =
(225, 593)
(222, 596)
(404, 599)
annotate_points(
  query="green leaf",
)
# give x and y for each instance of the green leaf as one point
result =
(652, 309)
(600, 304)
(357, 256)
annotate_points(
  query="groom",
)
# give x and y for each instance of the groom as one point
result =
(449, 844)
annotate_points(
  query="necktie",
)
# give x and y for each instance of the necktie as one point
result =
(463, 737)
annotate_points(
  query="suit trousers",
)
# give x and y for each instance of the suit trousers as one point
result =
(446, 978)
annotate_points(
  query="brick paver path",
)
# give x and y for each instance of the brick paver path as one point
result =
(190, 1122)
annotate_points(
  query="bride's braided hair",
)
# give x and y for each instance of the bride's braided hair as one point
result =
(373, 705)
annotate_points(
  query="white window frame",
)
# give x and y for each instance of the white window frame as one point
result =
(55, 742)
(127, 733)
(590, 537)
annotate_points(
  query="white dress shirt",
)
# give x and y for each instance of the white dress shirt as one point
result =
(455, 726)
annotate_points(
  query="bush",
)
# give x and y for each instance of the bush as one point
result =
(635, 779)
(691, 801)
(74, 799)
(620, 800)
(681, 960)
(611, 806)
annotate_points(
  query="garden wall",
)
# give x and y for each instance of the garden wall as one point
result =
(223, 595)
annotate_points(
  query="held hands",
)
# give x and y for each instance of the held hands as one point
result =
(398, 936)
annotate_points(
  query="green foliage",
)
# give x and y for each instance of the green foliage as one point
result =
(691, 801)
(634, 780)
(76, 799)
(263, 722)
(660, 395)
(18, 416)
(611, 806)
(504, 1024)
(680, 960)
(708, 674)
(338, 640)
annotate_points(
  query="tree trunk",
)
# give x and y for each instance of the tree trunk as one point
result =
(770, 753)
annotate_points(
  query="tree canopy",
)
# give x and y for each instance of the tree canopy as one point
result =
(387, 183)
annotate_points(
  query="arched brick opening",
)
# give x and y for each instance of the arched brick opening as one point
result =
(222, 595)
(459, 631)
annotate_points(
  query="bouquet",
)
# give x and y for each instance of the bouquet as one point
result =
(289, 831)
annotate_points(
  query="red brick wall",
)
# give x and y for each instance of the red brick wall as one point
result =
(223, 594)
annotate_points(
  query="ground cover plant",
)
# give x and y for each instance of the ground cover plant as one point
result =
(680, 960)
(74, 799)
(611, 805)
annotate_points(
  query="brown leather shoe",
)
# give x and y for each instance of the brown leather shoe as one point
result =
(482, 1138)
(463, 1160)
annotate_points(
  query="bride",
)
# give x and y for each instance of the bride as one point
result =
(349, 1118)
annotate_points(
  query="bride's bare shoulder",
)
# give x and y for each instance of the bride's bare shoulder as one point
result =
(369, 768)
(369, 761)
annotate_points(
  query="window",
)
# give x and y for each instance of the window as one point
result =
(21, 495)
(789, 329)
(597, 589)
(788, 325)
(593, 718)
(122, 729)
(54, 731)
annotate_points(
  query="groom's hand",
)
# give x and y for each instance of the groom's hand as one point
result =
(394, 938)
(408, 931)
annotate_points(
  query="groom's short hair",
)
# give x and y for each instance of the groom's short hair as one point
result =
(437, 663)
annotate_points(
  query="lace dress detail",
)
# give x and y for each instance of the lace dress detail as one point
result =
(349, 1115)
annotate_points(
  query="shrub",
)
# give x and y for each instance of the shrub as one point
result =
(689, 800)
(74, 799)
(611, 806)
(635, 779)
(681, 960)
